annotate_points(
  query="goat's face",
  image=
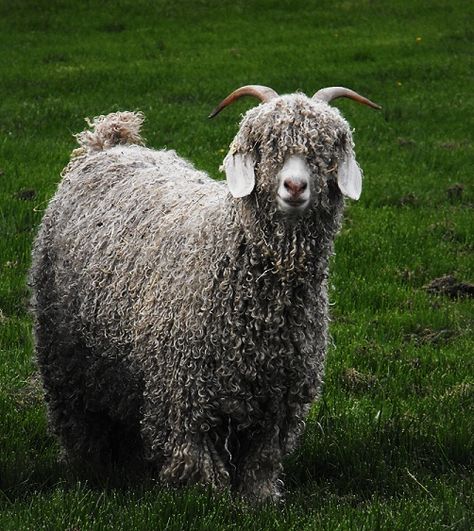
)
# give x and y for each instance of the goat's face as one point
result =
(293, 190)
(291, 149)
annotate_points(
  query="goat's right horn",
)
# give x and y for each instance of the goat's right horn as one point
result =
(264, 94)
(331, 93)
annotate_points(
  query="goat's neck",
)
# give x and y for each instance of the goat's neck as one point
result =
(292, 250)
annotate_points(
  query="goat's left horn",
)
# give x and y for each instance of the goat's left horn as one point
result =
(331, 93)
(264, 94)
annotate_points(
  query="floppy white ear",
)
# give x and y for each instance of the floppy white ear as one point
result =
(349, 177)
(240, 174)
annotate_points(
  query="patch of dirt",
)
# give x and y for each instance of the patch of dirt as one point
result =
(444, 229)
(405, 142)
(423, 336)
(455, 191)
(450, 286)
(408, 200)
(453, 145)
(356, 381)
(26, 194)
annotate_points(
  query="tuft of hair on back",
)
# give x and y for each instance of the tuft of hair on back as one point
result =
(110, 130)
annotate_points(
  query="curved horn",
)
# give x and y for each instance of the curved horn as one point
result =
(264, 94)
(331, 93)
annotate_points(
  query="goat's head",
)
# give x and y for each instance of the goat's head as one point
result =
(293, 148)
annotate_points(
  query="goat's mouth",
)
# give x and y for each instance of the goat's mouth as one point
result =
(292, 205)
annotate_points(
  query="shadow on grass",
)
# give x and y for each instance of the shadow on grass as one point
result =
(45, 476)
(381, 457)
(337, 456)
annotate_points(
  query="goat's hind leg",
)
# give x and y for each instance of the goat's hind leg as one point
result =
(84, 436)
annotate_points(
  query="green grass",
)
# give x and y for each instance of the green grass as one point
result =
(391, 444)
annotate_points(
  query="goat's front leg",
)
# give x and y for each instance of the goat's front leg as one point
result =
(183, 450)
(194, 460)
(258, 471)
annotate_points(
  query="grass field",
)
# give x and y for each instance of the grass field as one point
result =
(391, 444)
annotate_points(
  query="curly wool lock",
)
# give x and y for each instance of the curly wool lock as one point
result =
(177, 324)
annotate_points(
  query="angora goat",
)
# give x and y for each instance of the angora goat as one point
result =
(180, 324)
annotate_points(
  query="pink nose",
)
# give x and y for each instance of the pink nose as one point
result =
(295, 188)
